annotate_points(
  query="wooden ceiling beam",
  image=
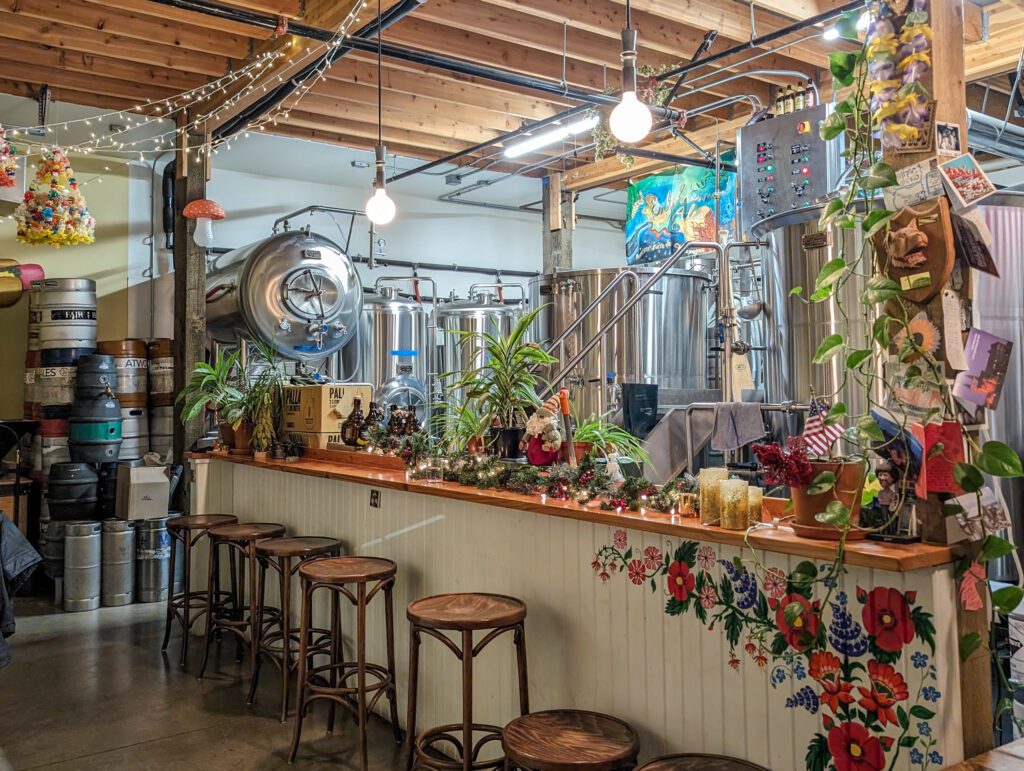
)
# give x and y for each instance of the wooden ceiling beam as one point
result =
(100, 66)
(89, 99)
(133, 25)
(60, 78)
(355, 69)
(183, 16)
(367, 130)
(998, 55)
(608, 170)
(291, 9)
(21, 27)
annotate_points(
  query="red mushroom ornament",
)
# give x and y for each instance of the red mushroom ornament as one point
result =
(204, 212)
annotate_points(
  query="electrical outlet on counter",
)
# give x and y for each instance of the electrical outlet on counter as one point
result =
(374, 499)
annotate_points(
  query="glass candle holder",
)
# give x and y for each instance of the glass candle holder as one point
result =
(710, 512)
(755, 505)
(732, 501)
(687, 507)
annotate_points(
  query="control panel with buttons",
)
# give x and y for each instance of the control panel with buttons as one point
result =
(784, 164)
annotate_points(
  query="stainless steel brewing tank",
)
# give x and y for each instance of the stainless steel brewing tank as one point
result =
(392, 340)
(296, 290)
(793, 327)
(482, 312)
(666, 332)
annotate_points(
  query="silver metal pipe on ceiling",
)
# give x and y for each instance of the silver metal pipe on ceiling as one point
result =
(993, 135)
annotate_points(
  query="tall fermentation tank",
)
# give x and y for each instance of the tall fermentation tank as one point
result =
(481, 312)
(296, 290)
(662, 340)
(393, 340)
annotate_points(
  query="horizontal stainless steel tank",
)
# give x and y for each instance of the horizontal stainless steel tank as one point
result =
(393, 339)
(662, 340)
(481, 312)
(296, 290)
(794, 328)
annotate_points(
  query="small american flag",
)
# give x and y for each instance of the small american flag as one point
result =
(818, 435)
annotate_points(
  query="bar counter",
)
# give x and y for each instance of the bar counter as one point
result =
(645, 616)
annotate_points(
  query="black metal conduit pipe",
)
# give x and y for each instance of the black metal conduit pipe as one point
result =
(676, 159)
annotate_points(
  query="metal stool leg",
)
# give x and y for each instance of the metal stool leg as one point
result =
(242, 605)
(392, 692)
(467, 700)
(257, 657)
(361, 672)
(335, 653)
(214, 567)
(170, 598)
(255, 610)
(414, 667)
(300, 683)
(524, 687)
(285, 583)
(186, 604)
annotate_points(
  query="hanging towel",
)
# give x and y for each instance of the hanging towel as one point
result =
(736, 424)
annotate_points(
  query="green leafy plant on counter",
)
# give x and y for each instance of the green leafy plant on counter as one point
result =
(264, 398)
(459, 426)
(215, 387)
(609, 438)
(504, 386)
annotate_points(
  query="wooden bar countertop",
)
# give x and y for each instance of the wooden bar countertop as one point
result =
(781, 539)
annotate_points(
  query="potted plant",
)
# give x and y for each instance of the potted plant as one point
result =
(596, 433)
(504, 386)
(462, 428)
(264, 400)
(214, 387)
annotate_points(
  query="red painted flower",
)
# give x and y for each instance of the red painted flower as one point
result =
(619, 539)
(761, 660)
(854, 749)
(652, 558)
(775, 582)
(680, 580)
(637, 574)
(708, 597)
(804, 629)
(886, 617)
(604, 576)
(826, 669)
(887, 688)
(734, 663)
(705, 557)
(596, 564)
(750, 648)
(613, 566)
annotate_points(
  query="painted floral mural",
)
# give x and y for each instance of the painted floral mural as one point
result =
(839, 653)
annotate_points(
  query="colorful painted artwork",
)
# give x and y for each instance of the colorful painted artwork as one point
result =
(839, 652)
(667, 210)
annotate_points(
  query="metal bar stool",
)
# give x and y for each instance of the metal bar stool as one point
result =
(240, 620)
(277, 640)
(463, 614)
(694, 761)
(187, 606)
(569, 740)
(335, 574)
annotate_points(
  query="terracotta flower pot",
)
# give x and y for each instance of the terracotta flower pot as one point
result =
(227, 434)
(261, 455)
(243, 438)
(849, 484)
(476, 445)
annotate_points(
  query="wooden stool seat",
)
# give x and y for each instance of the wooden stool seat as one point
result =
(348, 570)
(247, 531)
(187, 605)
(693, 761)
(298, 546)
(459, 612)
(200, 521)
(570, 740)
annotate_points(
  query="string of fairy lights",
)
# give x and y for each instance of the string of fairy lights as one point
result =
(190, 110)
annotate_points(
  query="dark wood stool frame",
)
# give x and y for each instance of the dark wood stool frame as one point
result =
(418, 746)
(277, 640)
(242, 618)
(701, 760)
(187, 606)
(338, 671)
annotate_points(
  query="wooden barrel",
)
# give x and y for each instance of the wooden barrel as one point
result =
(132, 363)
(161, 373)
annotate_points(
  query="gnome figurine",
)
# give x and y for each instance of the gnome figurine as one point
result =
(544, 434)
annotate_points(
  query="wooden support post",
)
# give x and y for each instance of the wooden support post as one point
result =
(189, 293)
(559, 215)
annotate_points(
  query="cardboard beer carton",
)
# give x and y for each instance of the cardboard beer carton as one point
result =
(321, 409)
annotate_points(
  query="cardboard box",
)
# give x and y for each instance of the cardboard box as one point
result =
(312, 439)
(7, 503)
(321, 409)
(142, 492)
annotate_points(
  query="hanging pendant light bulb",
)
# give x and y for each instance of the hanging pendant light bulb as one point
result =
(380, 209)
(631, 119)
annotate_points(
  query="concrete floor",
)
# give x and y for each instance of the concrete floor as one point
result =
(93, 691)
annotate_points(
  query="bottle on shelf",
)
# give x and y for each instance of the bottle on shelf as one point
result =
(810, 98)
(799, 96)
(780, 102)
(352, 428)
(789, 100)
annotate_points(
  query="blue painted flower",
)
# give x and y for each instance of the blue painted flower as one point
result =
(806, 698)
(841, 598)
(916, 757)
(920, 660)
(778, 676)
(935, 757)
(799, 671)
(845, 634)
(924, 729)
(931, 694)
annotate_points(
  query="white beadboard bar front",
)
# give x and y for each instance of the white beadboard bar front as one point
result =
(609, 645)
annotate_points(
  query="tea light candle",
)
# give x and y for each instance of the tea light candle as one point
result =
(732, 495)
(755, 503)
(710, 512)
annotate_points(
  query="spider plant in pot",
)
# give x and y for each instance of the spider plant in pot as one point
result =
(215, 388)
(504, 385)
(595, 433)
(462, 428)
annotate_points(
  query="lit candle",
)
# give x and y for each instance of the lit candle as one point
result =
(710, 510)
(643, 512)
(732, 495)
(543, 498)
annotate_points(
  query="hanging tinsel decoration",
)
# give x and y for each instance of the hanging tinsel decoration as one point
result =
(8, 161)
(53, 210)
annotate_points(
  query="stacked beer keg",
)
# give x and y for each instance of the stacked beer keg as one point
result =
(131, 363)
(161, 396)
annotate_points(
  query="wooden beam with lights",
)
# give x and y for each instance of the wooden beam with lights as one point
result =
(183, 16)
(119, 89)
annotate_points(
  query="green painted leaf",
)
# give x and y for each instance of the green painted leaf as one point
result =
(908, 741)
(792, 612)
(857, 357)
(830, 273)
(879, 175)
(968, 477)
(969, 643)
(829, 347)
(879, 289)
(994, 548)
(901, 715)
(1007, 599)
(999, 460)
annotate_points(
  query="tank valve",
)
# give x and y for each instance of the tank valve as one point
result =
(338, 330)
